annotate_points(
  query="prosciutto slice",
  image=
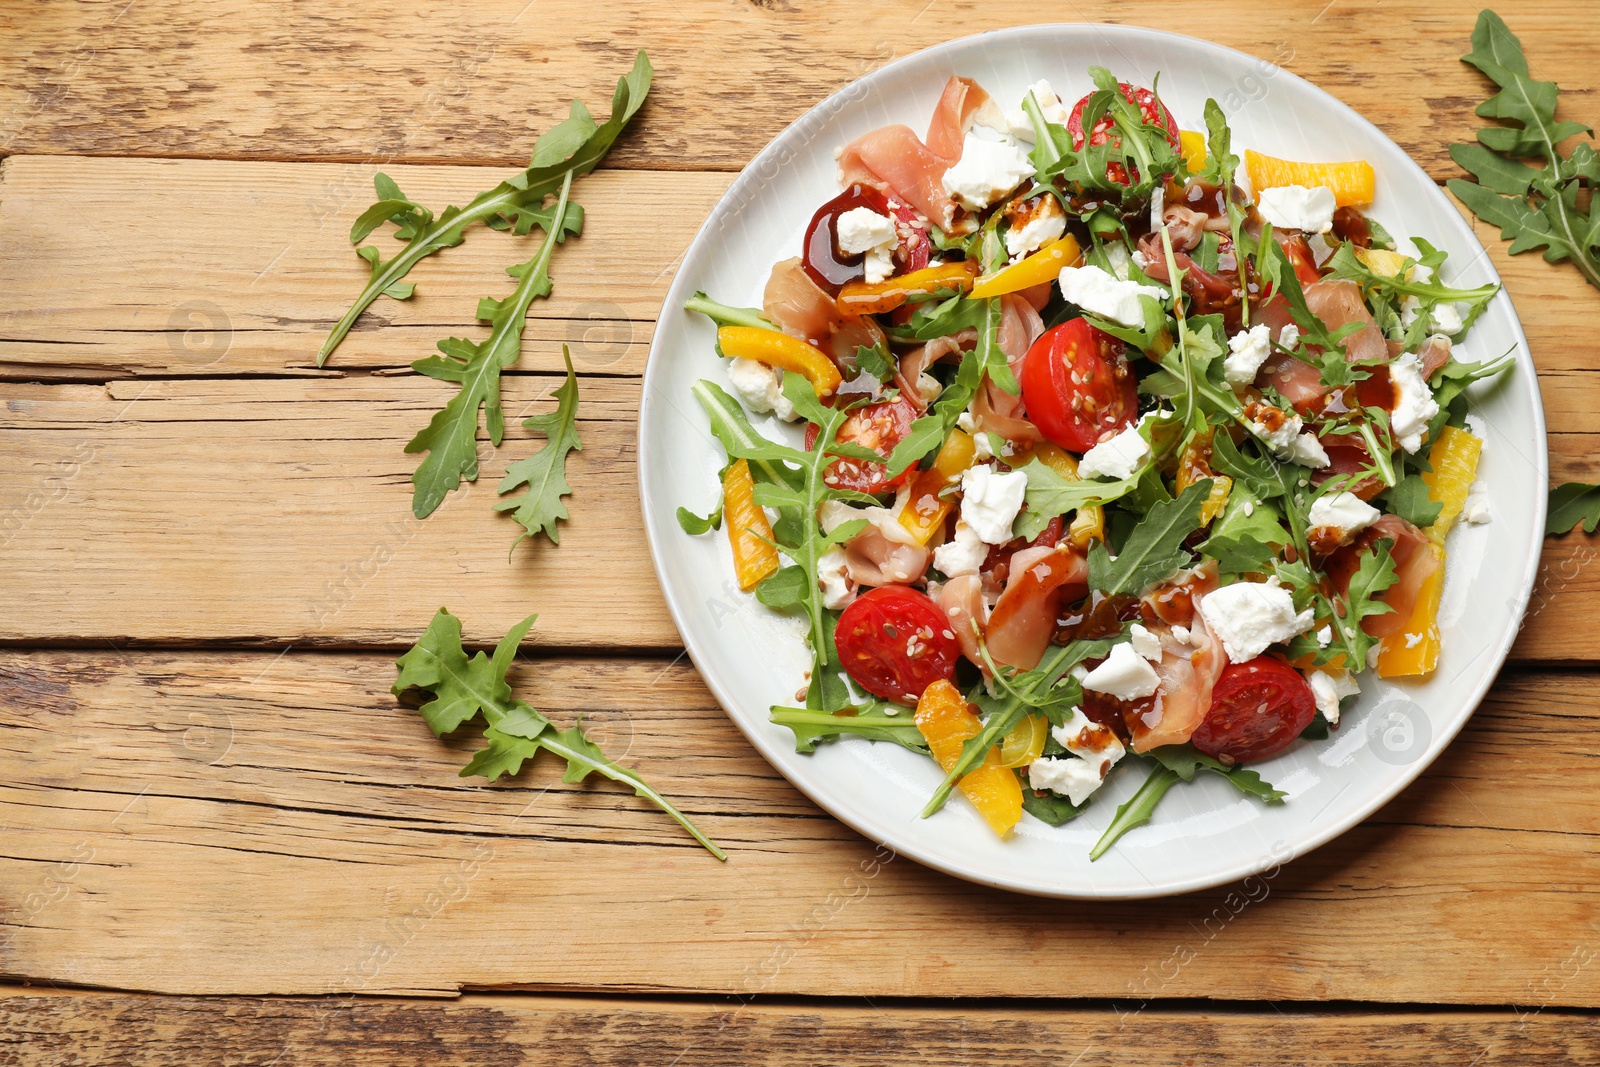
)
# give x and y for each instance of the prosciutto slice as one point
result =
(1024, 619)
(800, 308)
(894, 159)
(1415, 559)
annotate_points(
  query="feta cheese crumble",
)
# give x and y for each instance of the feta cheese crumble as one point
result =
(990, 501)
(1096, 750)
(1074, 779)
(1414, 404)
(863, 231)
(962, 554)
(1249, 616)
(833, 574)
(1247, 350)
(1125, 675)
(1345, 514)
(1476, 510)
(1117, 458)
(1447, 319)
(1297, 207)
(1046, 222)
(1145, 643)
(1289, 336)
(759, 387)
(986, 171)
(1330, 687)
(1102, 293)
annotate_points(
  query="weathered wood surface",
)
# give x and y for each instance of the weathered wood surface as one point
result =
(389, 81)
(243, 823)
(44, 1029)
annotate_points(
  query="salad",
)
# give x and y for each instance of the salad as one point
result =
(1117, 449)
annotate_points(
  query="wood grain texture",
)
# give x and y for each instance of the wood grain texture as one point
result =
(278, 511)
(247, 79)
(239, 823)
(92, 1029)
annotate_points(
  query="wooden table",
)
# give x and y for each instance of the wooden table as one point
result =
(225, 842)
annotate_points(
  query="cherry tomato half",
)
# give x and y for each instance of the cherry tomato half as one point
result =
(1153, 111)
(895, 642)
(1078, 387)
(1257, 710)
(878, 427)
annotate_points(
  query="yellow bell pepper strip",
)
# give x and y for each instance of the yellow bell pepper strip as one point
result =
(1415, 649)
(876, 298)
(1025, 742)
(925, 509)
(1193, 147)
(1352, 183)
(1382, 261)
(946, 722)
(1043, 266)
(755, 558)
(1088, 524)
(780, 350)
(1195, 464)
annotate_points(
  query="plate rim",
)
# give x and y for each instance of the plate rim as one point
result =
(862, 823)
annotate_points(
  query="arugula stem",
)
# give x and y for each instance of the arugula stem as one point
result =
(1138, 809)
(726, 315)
(1381, 458)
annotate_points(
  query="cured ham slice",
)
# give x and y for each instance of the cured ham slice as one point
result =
(1024, 619)
(894, 159)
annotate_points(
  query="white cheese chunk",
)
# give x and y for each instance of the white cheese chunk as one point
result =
(1298, 207)
(1289, 336)
(759, 387)
(1414, 404)
(990, 501)
(1345, 513)
(1288, 444)
(863, 231)
(986, 171)
(1447, 318)
(1145, 643)
(1102, 293)
(1125, 675)
(833, 574)
(1074, 779)
(1045, 226)
(1117, 458)
(1330, 687)
(1247, 350)
(1476, 510)
(928, 388)
(1250, 616)
(1096, 750)
(1308, 452)
(962, 554)
(1325, 637)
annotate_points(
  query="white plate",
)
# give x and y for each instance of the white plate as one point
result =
(1203, 833)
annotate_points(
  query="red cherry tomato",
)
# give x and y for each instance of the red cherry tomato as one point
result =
(878, 427)
(1153, 111)
(1257, 710)
(830, 267)
(1077, 386)
(894, 642)
(1298, 249)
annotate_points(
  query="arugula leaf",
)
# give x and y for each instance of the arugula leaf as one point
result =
(1392, 288)
(724, 315)
(869, 722)
(1049, 494)
(460, 689)
(1248, 536)
(1185, 760)
(1570, 504)
(1154, 550)
(694, 525)
(1410, 500)
(1136, 811)
(451, 437)
(572, 148)
(1538, 206)
(1051, 809)
(545, 472)
(874, 361)
(929, 431)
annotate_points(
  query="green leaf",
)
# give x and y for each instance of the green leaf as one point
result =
(1410, 500)
(451, 437)
(928, 433)
(463, 688)
(1049, 494)
(1137, 810)
(1051, 809)
(874, 361)
(1154, 550)
(724, 315)
(811, 727)
(695, 525)
(518, 202)
(545, 472)
(783, 590)
(1185, 760)
(1570, 504)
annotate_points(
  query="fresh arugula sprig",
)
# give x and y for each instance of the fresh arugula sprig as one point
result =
(545, 472)
(461, 688)
(727, 315)
(1174, 764)
(1139, 148)
(1534, 206)
(1392, 289)
(451, 437)
(869, 721)
(571, 148)
(1573, 503)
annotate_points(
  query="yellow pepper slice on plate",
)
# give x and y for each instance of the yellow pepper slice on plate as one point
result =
(1043, 266)
(875, 298)
(946, 722)
(780, 350)
(1193, 147)
(754, 557)
(1353, 183)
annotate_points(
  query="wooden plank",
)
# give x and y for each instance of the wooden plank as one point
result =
(250, 81)
(194, 267)
(279, 512)
(40, 1028)
(235, 823)
(298, 491)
